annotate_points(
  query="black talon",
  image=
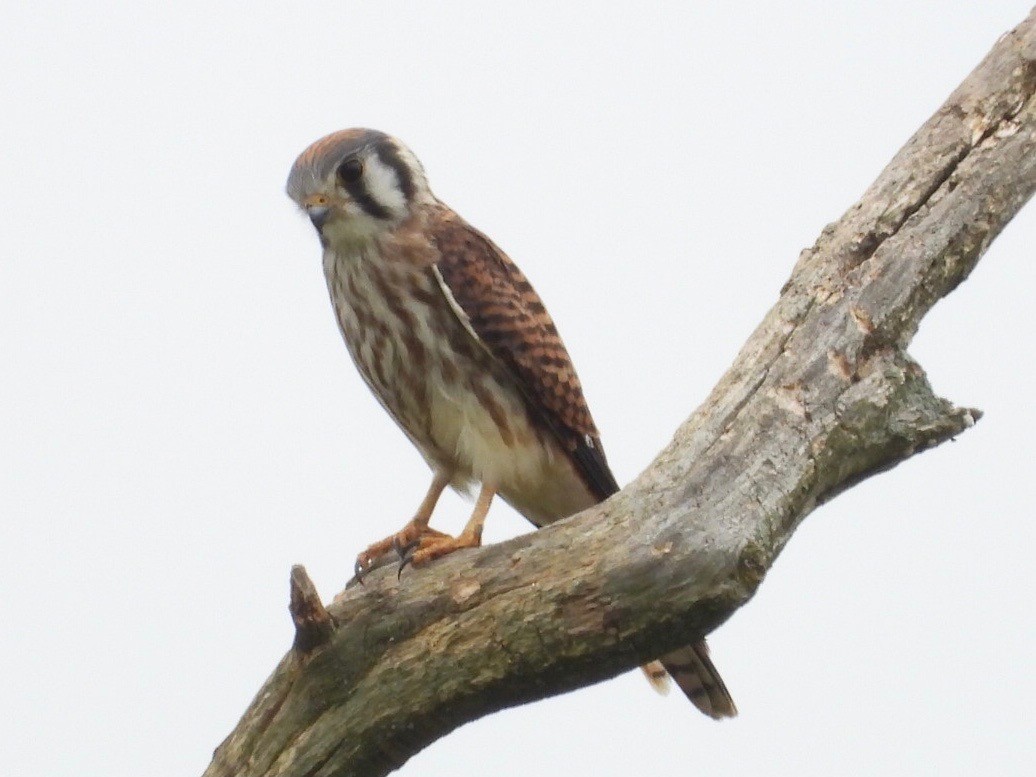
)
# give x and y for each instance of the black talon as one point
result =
(405, 553)
(403, 550)
(402, 565)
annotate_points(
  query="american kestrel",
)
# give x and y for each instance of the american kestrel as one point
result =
(458, 348)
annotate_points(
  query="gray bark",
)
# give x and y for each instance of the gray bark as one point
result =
(822, 395)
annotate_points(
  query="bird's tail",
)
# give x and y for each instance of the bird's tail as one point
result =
(693, 671)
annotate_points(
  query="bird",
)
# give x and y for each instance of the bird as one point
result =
(458, 348)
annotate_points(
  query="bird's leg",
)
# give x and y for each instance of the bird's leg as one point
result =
(407, 537)
(432, 546)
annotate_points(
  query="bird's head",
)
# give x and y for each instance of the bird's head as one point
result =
(357, 183)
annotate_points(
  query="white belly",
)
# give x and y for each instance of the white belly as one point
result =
(528, 468)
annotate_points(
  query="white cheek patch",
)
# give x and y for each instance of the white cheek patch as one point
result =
(382, 185)
(421, 191)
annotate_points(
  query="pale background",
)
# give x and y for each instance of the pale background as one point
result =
(179, 421)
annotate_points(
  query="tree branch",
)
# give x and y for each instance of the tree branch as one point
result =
(822, 395)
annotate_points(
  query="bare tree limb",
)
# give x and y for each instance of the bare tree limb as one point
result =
(822, 395)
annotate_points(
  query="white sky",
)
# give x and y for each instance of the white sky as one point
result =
(179, 421)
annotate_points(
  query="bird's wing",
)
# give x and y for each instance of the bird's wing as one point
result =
(501, 310)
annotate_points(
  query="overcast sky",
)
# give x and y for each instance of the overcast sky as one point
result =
(180, 422)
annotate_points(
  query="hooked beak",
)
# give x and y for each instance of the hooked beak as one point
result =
(317, 209)
(318, 215)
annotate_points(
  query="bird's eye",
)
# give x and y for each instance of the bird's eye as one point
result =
(350, 170)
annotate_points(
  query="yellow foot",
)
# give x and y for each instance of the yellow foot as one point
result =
(432, 546)
(402, 542)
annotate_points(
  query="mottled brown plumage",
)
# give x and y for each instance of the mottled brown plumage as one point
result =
(507, 316)
(456, 345)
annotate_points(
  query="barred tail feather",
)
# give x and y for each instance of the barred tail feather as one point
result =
(693, 671)
(657, 676)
